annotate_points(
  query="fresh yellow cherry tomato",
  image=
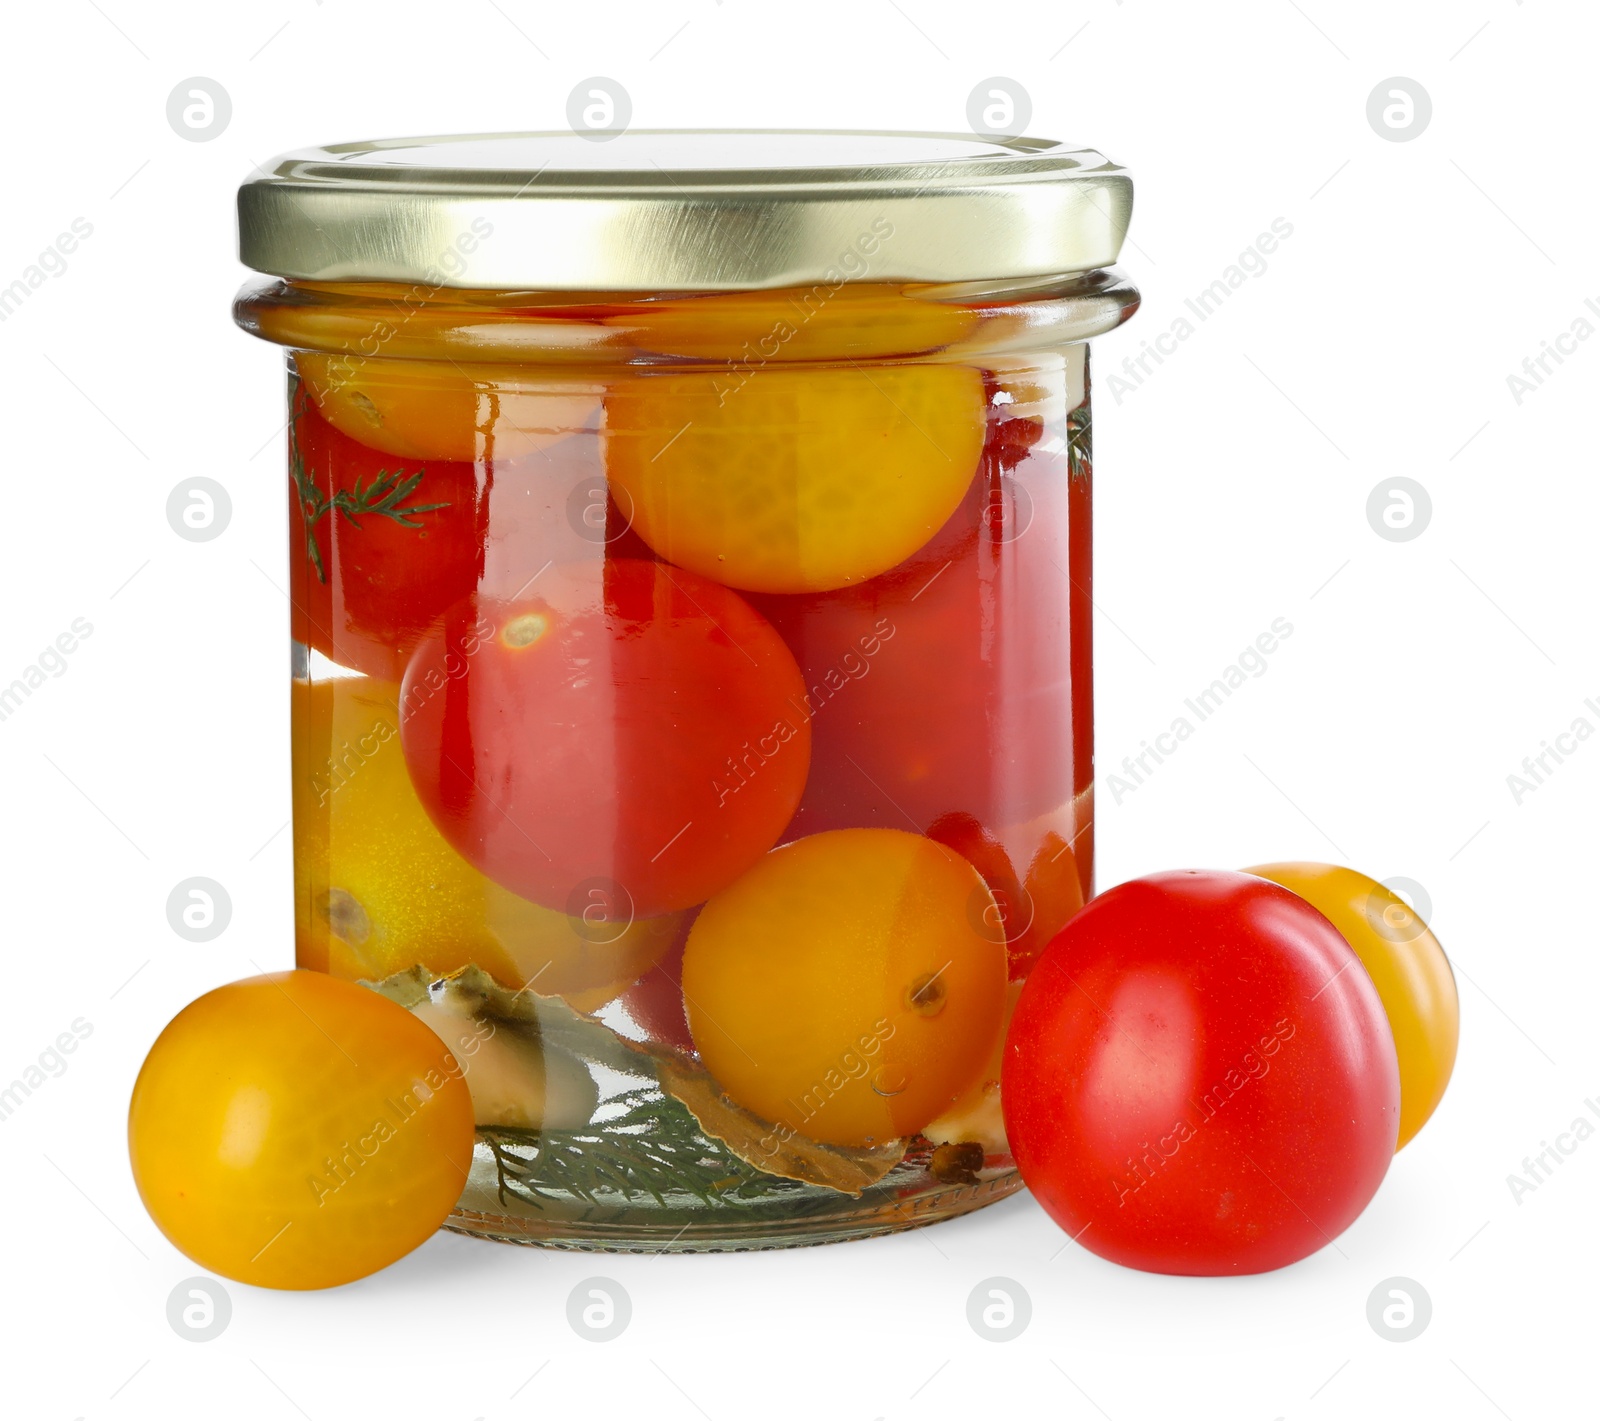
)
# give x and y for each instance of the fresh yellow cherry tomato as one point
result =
(425, 409)
(793, 480)
(849, 986)
(1407, 966)
(378, 889)
(295, 1131)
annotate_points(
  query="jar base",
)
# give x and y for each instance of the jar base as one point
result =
(909, 1197)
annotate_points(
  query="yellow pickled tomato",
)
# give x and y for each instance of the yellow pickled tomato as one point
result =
(847, 986)
(858, 320)
(1406, 964)
(793, 479)
(425, 409)
(295, 1131)
(368, 318)
(378, 889)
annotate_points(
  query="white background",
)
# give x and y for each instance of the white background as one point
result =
(1232, 487)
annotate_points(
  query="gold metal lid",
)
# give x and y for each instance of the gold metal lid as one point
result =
(687, 210)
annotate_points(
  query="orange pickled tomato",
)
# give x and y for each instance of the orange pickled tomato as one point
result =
(378, 889)
(295, 1131)
(793, 479)
(858, 320)
(846, 987)
(1407, 966)
(427, 409)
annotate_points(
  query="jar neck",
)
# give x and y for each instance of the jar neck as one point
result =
(959, 322)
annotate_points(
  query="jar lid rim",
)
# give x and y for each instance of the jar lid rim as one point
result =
(684, 209)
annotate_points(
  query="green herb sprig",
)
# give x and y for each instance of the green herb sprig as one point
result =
(385, 497)
(1080, 441)
(652, 1148)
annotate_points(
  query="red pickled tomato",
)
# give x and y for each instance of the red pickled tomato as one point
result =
(952, 695)
(623, 740)
(365, 585)
(944, 686)
(655, 1002)
(1033, 877)
(467, 527)
(1200, 1078)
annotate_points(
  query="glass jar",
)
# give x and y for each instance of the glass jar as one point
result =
(690, 617)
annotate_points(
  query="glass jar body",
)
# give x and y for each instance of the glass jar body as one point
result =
(692, 722)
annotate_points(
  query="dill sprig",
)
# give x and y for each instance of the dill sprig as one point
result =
(1080, 441)
(384, 497)
(649, 1145)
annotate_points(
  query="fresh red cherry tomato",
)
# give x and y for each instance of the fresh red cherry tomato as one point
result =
(623, 740)
(1200, 1078)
